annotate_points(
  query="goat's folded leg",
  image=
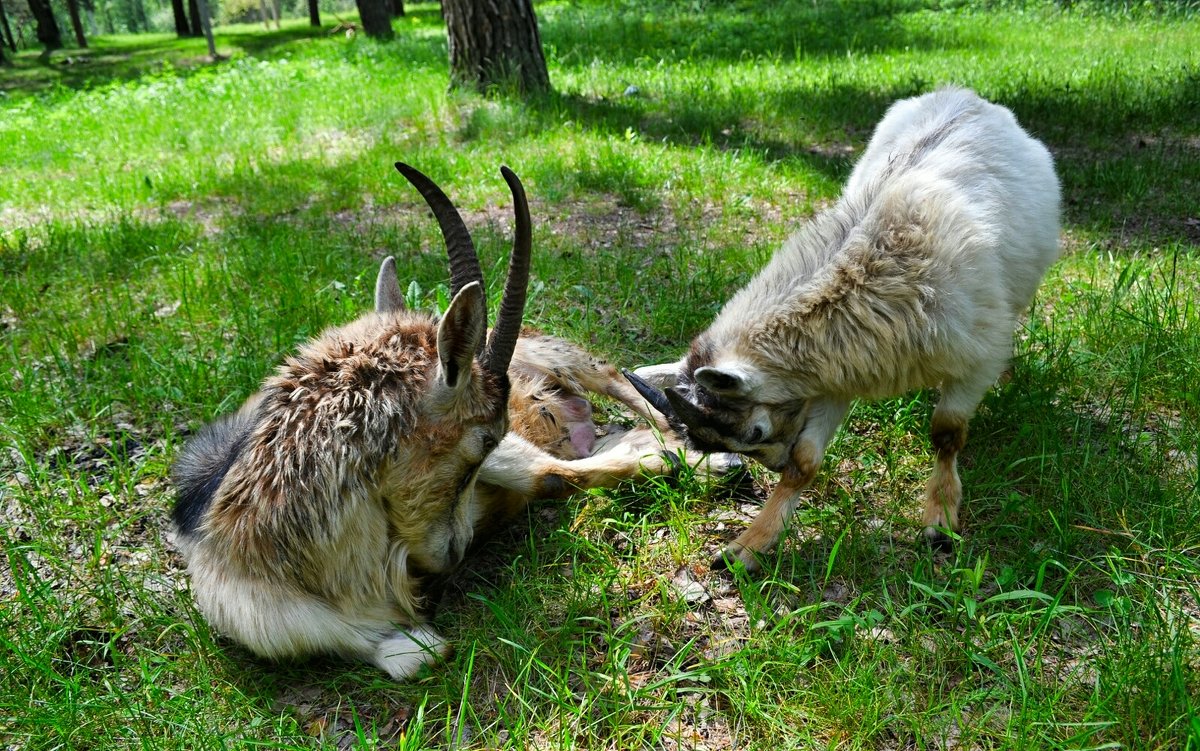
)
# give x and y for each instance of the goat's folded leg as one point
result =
(824, 417)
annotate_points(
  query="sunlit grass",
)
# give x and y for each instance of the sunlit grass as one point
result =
(170, 229)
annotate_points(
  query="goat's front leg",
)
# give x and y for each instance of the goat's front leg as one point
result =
(943, 493)
(824, 417)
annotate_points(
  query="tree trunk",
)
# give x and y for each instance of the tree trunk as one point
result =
(314, 13)
(47, 28)
(206, 27)
(139, 14)
(495, 42)
(376, 17)
(397, 8)
(181, 19)
(76, 24)
(277, 7)
(194, 12)
(6, 30)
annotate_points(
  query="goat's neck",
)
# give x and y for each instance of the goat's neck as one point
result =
(843, 300)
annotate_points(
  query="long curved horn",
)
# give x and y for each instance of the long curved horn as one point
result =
(503, 339)
(464, 263)
(657, 398)
(686, 412)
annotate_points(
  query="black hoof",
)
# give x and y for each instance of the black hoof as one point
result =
(673, 458)
(938, 541)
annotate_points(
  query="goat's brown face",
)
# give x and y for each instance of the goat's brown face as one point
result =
(429, 483)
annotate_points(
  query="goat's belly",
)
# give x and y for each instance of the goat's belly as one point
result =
(887, 380)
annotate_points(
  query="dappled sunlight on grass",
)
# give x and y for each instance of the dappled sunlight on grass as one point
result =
(170, 229)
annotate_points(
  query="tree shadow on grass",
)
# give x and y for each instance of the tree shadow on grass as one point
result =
(128, 58)
(1126, 164)
(633, 33)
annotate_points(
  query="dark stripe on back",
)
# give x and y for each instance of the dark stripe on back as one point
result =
(202, 467)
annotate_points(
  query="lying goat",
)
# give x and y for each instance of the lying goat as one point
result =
(916, 277)
(379, 452)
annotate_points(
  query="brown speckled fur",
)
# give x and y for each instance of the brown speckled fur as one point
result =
(309, 517)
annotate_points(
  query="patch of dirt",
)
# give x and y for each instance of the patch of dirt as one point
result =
(336, 723)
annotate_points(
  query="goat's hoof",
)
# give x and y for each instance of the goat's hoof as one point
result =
(733, 557)
(723, 465)
(938, 540)
(672, 458)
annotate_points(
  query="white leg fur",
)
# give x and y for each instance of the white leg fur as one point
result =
(405, 652)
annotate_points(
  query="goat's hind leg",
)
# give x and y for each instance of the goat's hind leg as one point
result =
(279, 623)
(948, 432)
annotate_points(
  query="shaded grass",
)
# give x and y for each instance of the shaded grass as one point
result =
(169, 235)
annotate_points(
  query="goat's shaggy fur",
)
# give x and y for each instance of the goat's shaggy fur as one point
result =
(916, 277)
(375, 457)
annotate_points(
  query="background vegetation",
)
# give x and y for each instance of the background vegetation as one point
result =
(169, 230)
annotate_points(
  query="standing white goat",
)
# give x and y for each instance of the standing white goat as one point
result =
(917, 277)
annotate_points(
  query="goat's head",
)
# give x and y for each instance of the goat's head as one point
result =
(728, 405)
(458, 410)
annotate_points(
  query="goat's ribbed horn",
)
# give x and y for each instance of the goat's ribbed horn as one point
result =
(686, 412)
(464, 263)
(657, 398)
(503, 339)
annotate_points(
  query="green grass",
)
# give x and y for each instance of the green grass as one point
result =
(170, 229)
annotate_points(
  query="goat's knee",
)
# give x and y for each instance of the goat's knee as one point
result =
(764, 532)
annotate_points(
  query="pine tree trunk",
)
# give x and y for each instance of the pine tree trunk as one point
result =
(6, 30)
(181, 19)
(314, 13)
(206, 28)
(194, 13)
(397, 8)
(376, 18)
(76, 24)
(495, 42)
(47, 28)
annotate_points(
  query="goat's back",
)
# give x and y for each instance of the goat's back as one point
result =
(976, 178)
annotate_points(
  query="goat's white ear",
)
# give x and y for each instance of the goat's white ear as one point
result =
(388, 297)
(459, 334)
(727, 380)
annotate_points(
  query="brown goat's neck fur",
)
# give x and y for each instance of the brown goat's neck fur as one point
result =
(331, 414)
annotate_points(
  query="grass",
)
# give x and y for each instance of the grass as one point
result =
(170, 229)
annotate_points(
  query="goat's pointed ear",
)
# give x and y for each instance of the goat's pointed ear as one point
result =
(726, 380)
(388, 297)
(459, 333)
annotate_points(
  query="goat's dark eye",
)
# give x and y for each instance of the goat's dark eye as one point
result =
(756, 435)
(489, 443)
